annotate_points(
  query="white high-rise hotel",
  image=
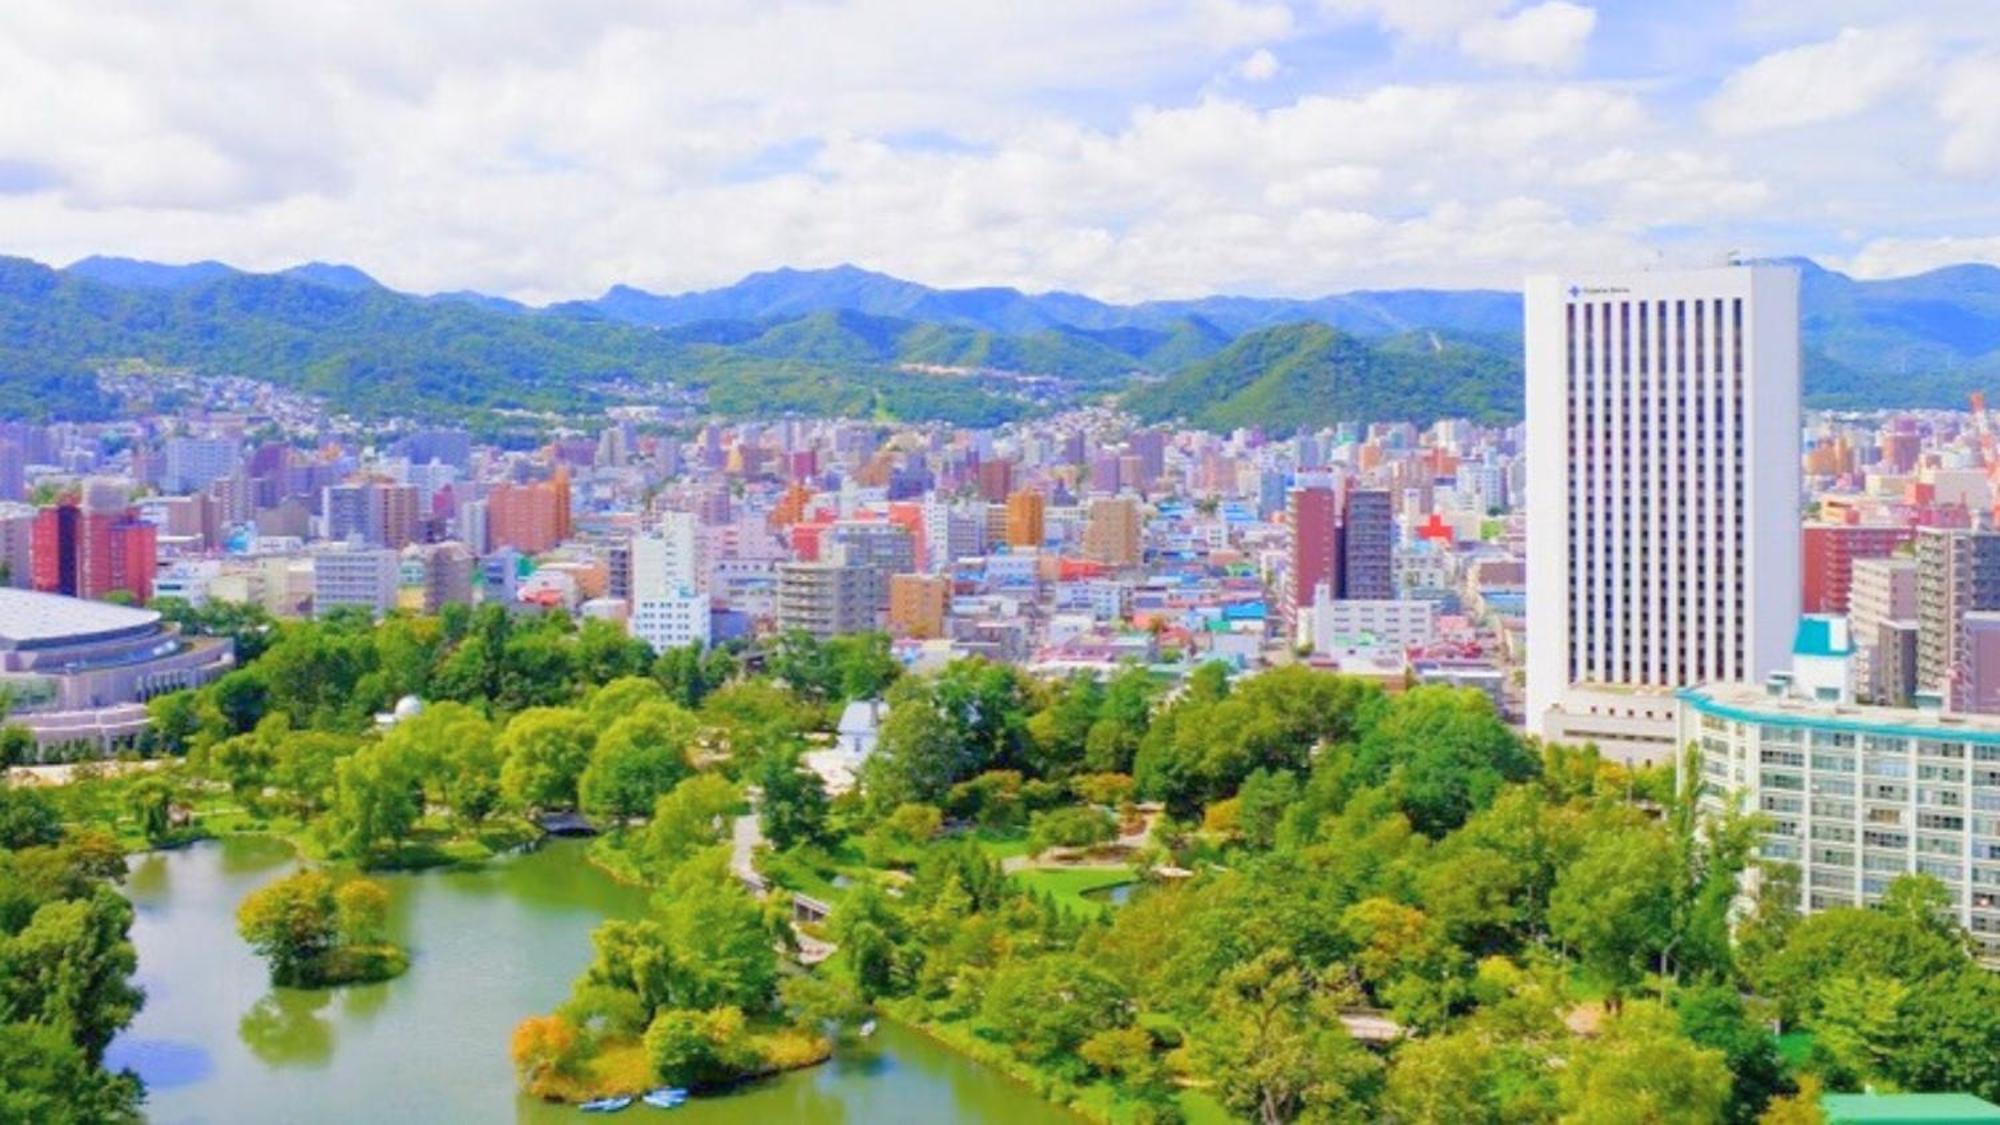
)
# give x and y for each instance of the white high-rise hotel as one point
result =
(1662, 494)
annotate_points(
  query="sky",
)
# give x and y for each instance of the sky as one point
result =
(1128, 149)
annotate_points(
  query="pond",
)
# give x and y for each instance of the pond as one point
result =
(216, 1043)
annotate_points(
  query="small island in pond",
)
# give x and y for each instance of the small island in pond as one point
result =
(316, 933)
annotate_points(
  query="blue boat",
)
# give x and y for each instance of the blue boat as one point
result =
(666, 1097)
(606, 1105)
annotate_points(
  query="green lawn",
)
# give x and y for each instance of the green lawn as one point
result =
(1001, 843)
(1068, 884)
(1795, 1047)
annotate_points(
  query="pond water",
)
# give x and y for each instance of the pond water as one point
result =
(216, 1043)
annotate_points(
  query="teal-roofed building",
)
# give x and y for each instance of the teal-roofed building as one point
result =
(1857, 795)
(1909, 1109)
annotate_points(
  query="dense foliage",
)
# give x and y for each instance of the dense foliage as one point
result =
(65, 968)
(1308, 376)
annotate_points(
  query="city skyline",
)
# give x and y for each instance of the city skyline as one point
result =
(1129, 151)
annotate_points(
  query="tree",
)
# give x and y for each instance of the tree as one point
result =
(690, 1047)
(1075, 826)
(1641, 1069)
(543, 1048)
(691, 817)
(792, 808)
(546, 751)
(721, 945)
(291, 923)
(1276, 1050)
(1615, 904)
(70, 968)
(1446, 751)
(361, 911)
(1262, 803)
(150, 801)
(17, 744)
(303, 768)
(622, 697)
(867, 930)
(636, 759)
(1714, 1016)
(28, 818)
(46, 1079)
(376, 799)
(605, 651)
(1046, 1007)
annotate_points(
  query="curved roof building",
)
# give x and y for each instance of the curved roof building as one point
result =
(78, 671)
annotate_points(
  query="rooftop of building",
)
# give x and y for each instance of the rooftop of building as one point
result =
(28, 618)
(1756, 703)
(1915, 1109)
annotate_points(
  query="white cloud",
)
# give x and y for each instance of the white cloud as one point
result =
(1259, 65)
(549, 152)
(1816, 82)
(1546, 36)
(1549, 36)
(1900, 257)
(1969, 103)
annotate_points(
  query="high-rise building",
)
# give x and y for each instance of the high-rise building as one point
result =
(1882, 603)
(17, 545)
(363, 577)
(193, 463)
(669, 609)
(1662, 492)
(89, 550)
(531, 518)
(826, 599)
(1367, 545)
(13, 470)
(1024, 518)
(917, 605)
(447, 576)
(1111, 532)
(1828, 553)
(1958, 573)
(1315, 558)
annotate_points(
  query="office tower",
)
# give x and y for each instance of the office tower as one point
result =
(1662, 494)
(192, 463)
(1315, 556)
(883, 548)
(1367, 545)
(531, 518)
(347, 512)
(89, 551)
(1882, 602)
(1828, 553)
(1958, 573)
(473, 528)
(358, 577)
(917, 605)
(1111, 532)
(1150, 447)
(1024, 518)
(826, 599)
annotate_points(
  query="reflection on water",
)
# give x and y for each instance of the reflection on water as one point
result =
(216, 1043)
(285, 1028)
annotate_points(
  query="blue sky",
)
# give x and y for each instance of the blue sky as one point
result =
(1124, 148)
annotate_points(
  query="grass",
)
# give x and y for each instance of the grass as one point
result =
(1795, 1047)
(1069, 884)
(1001, 843)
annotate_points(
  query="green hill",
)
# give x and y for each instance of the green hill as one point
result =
(1298, 376)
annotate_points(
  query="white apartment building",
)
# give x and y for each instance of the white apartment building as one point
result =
(1856, 796)
(1392, 623)
(669, 607)
(364, 577)
(1662, 490)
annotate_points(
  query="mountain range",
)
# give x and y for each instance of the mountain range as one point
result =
(848, 340)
